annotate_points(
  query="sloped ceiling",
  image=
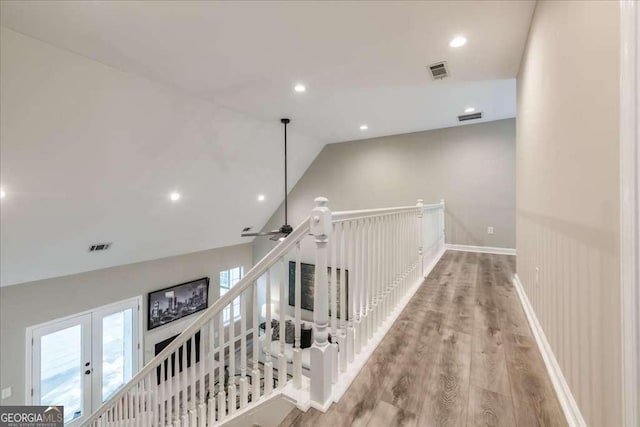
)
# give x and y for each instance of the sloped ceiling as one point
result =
(106, 107)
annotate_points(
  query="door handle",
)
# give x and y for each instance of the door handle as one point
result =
(87, 372)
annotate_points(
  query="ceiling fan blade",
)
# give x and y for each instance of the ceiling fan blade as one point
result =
(264, 233)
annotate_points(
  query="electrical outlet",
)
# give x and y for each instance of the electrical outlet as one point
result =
(6, 393)
(489, 230)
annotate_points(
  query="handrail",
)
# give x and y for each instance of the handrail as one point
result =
(367, 213)
(252, 275)
(432, 206)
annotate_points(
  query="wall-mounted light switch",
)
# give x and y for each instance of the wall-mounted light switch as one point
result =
(489, 230)
(6, 393)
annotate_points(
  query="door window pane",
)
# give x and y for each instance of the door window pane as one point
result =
(61, 371)
(117, 357)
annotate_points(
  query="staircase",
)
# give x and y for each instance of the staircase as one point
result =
(380, 255)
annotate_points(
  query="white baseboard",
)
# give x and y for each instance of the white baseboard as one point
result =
(565, 397)
(481, 249)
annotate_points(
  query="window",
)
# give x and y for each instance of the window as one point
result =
(228, 279)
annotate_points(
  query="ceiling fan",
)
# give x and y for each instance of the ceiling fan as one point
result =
(286, 229)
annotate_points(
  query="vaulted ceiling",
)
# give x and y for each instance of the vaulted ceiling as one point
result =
(107, 107)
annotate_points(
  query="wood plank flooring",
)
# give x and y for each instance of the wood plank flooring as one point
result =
(460, 354)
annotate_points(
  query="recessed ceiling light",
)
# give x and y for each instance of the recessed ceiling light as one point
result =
(2, 194)
(364, 127)
(299, 87)
(261, 197)
(458, 41)
(469, 110)
(174, 197)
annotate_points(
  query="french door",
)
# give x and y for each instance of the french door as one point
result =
(81, 361)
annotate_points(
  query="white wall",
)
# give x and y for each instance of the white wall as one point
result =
(33, 303)
(567, 195)
(472, 167)
(89, 153)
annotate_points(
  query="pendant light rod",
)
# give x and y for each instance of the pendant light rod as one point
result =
(285, 122)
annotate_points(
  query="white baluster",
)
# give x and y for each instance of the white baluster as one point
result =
(170, 374)
(377, 274)
(282, 358)
(370, 279)
(244, 392)
(201, 373)
(183, 378)
(320, 225)
(268, 367)
(160, 405)
(333, 310)
(222, 392)
(351, 299)
(357, 300)
(231, 389)
(387, 267)
(372, 275)
(211, 402)
(144, 404)
(364, 325)
(297, 351)
(192, 375)
(442, 227)
(255, 340)
(397, 258)
(343, 299)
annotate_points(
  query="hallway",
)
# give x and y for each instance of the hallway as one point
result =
(461, 353)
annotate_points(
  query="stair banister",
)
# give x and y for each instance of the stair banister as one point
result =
(382, 254)
(250, 277)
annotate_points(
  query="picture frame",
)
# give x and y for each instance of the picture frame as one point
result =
(307, 280)
(176, 302)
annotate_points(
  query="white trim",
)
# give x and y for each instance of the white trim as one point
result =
(565, 397)
(629, 209)
(481, 249)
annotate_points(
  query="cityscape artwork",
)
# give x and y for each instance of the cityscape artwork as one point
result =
(176, 302)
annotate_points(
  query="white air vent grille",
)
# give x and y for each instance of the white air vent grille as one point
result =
(99, 247)
(471, 116)
(439, 70)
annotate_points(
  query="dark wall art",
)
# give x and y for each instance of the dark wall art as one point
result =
(307, 279)
(175, 302)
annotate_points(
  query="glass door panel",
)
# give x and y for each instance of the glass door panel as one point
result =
(61, 371)
(115, 348)
(117, 351)
(61, 368)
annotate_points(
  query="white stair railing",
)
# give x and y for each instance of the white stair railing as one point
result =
(221, 366)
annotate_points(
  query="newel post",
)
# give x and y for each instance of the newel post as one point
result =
(321, 354)
(420, 206)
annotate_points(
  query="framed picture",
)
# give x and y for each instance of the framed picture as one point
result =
(307, 280)
(176, 302)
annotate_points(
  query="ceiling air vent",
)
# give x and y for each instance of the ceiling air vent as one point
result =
(471, 116)
(439, 70)
(99, 247)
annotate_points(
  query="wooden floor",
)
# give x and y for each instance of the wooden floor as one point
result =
(460, 354)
